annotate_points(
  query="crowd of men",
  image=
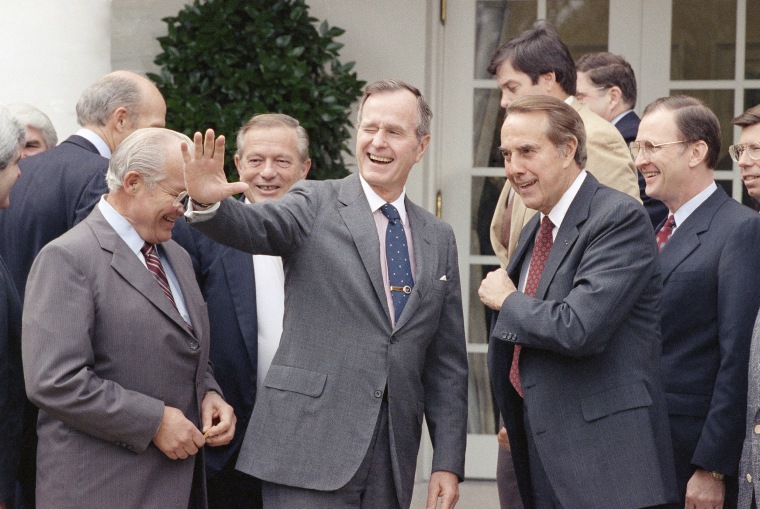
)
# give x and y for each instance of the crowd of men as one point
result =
(180, 347)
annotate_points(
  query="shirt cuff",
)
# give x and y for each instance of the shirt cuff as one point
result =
(197, 216)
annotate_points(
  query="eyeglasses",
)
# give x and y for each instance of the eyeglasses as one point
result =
(647, 148)
(582, 95)
(752, 149)
(180, 198)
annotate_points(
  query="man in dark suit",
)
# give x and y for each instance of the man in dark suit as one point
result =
(574, 354)
(59, 187)
(272, 155)
(373, 335)
(115, 347)
(607, 85)
(12, 136)
(711, 278)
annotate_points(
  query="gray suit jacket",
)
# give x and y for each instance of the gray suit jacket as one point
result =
(314, 419)
(590, 359)
(749, 468)
(104, 350)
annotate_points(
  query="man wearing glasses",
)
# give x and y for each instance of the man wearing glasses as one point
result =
(711, 293)
(747, 154)
(115, 344)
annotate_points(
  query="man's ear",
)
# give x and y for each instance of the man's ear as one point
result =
(132, 181)
(698, 153)
(121, 119)
(615, 94)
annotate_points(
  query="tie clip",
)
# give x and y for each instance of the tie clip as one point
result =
(406, 289)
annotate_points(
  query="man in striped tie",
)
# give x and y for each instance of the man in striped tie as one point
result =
(116, 346)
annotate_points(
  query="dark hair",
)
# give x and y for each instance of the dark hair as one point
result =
(537, 51)
(748, 118)
(694, 120)
(607, 70)
(563, 122)
(424, 113)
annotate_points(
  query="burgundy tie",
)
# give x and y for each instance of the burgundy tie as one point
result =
(538, 259)
(665, 232)
(154, 266)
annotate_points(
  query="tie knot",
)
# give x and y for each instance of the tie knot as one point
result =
(546, 223)
(671, 223)
(148, 249)
(390, 212)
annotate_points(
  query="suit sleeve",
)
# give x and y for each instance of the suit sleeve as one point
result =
(720, 443)
(445, 377)
(91, 194)
(589, 304)
(58, 357)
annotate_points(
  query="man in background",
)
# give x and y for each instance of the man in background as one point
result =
(711, 293)
(607, 85)
(40, 133)
(245, 295)
(746, 153)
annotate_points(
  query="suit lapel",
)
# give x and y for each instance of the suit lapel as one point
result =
(238, 270)
(360, 223)
(189, 287)
(425, 259)
(686, 237)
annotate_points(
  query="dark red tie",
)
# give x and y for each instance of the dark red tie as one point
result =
(541, 250)
(155, 267)
(665, 232)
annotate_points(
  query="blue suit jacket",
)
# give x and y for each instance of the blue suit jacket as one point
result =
(588, 366)
(226, 278)
(711, 276)
(57, 189)
(629, 128)
(11, 381)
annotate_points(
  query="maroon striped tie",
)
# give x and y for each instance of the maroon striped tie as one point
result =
(155, 267)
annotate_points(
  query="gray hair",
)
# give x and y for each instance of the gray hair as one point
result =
(12, 137)
(424, 113)
(272, 120)
(106, 95)
(143, 151)
(30, 116)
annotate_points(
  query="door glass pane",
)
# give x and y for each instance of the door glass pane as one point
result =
(583, 25)
(481, 417)
(751, 98)
(485, 193)
(497, 21)
(703, 45)
(487, 120)
(721, 102)
(752, 69)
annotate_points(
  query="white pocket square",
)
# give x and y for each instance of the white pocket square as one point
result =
(443, 278)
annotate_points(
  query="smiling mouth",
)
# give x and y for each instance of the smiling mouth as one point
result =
(525, 185)
(268, 188)
(379, 160)
(650, 174)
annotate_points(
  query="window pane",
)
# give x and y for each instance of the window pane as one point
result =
(481, 417)
(703, 40)
(485, 193)
(751, 98)
(721, 102)
(486, 136)
(752, 69)
(497, 21)
(583, 25)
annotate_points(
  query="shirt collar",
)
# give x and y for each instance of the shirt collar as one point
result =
(558, 212)
(123, 228)
(690, 206)
(96, 140)
(375, 202)
(615, 120)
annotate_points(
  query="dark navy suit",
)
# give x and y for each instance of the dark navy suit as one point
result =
(711, 293)
(629, 128)
(226, 278)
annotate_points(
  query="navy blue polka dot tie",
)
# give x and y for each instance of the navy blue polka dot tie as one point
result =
(397, 257)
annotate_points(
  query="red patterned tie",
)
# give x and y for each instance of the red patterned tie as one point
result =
(541, 250)
(155, 267)
(665, 232)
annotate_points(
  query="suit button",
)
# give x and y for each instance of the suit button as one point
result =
(378, 394)
(757, 429)
(504, 335)
(194, 345)
(749, 478)
(394, 340)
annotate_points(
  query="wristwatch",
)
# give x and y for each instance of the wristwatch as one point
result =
(716, 475)
(197, 204)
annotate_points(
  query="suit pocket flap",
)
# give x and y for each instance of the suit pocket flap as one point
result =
(288, 378)
(615, 400)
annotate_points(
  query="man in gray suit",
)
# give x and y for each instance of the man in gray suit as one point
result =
(574, 353)
(116, 345)
(363, 356)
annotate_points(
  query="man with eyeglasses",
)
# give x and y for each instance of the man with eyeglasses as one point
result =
(115, 345)
(747, 154)
(607, 85)
(711, 293)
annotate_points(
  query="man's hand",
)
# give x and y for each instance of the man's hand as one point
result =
(177, 437)
(495, 288)
(205, 180)
(704, 492)
(443, 485)
(503, 439)
(218, 420)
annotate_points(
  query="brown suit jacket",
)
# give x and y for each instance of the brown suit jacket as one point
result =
(608, 160)
(104, 350)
